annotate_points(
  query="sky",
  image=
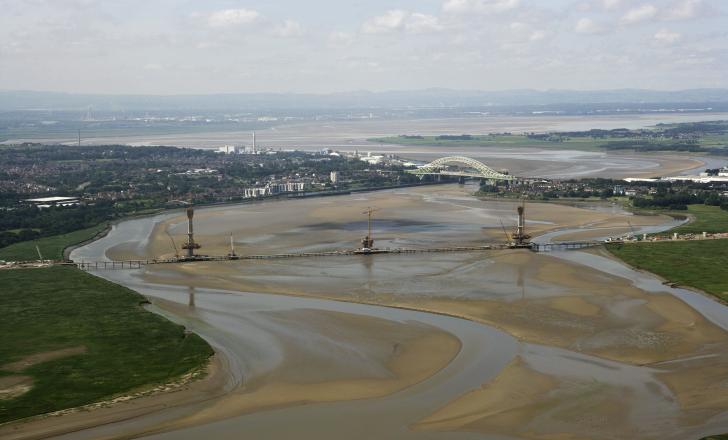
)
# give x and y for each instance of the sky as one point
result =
(325, 46)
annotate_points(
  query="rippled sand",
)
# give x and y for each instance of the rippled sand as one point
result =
(387, 357)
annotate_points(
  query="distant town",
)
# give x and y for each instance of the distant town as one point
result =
(85, 185)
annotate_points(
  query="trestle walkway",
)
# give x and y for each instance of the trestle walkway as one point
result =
(565, 245)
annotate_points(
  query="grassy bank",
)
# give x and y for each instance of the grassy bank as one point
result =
(702, 263)
(118, 345)
(705, 219)
(51, 247)
(499, 140)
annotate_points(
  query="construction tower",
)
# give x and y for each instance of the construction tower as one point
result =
(367, 243)
(520, 238)
(190, 246)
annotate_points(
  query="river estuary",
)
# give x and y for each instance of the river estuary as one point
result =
(481, 345)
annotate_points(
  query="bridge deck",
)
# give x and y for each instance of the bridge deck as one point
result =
(138, 264)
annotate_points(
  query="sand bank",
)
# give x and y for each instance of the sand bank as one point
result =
(414, 217)
(415, 354)
(513, 398)
(641, 345)
(523, 402)
(185, 395)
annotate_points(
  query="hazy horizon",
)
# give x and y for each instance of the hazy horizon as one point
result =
(382, 91)
(165, 47)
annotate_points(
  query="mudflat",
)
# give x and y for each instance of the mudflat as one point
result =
(537, 298)
(588, 352)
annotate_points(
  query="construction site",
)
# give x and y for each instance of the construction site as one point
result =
(517, 239)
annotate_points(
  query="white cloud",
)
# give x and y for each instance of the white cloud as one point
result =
(525, 32)
(685, 45)
(684, 10)
(399, 20)
(479, 6)
(391, 21)
(421, 23)
(588, 26)
(665, 36)
(518, 26)
(232, 17)
(611, 4)
(639, 14)
(289, 28)
(337, 38)
(537, 35)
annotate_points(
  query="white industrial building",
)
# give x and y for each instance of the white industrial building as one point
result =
(274, 188)
(698, 179)
(372, 159)
(47, 202)
(722, 177)
(230, 149)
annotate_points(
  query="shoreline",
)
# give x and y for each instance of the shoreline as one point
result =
(194, 388)
(607, 254)
(197, 397)
(101, 234)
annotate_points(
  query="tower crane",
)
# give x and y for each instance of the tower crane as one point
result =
(367, 243)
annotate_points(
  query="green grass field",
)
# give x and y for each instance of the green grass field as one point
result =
(518, 140)
(586, 144)
(51, 247)
(60, 307)
(706, 219)
(701, 263)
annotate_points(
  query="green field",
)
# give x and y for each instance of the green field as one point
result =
(582, 143)
(50, 247)
(511, 141)
(705, 219)
(700, 263)
(126, 347)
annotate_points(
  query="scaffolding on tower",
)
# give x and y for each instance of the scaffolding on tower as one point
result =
(367, 243)
(190, 246)
(520, 239)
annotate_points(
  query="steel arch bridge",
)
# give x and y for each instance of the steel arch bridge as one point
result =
(480, 170)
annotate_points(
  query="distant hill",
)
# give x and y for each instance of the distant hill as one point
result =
(428, 98)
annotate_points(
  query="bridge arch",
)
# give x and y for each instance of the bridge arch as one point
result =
(483, 170)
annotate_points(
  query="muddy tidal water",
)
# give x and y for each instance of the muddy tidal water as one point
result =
(480, 345)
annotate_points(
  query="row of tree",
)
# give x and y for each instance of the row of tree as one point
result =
(30, 223)
(680, 200)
